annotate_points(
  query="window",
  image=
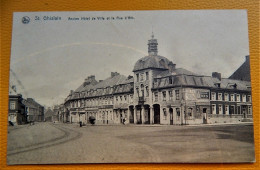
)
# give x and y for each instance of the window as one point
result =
(189, 114)
(238, 110)
(219, 96)
(178, 113)
(213, 96)
(213, 109)
(147, 91)
(170, 80)
(147, 75)
(131, 97)
(232, 98)
(238, 97)
(164, 95)
(177, 94)
(170, 95)
(141, 77)
(137, 91)
(220, 109)
(249, 110)
(121, 99)
(249, 98)
(12, 105)
(125, 97)
(82, 102)
(226, 97)
(155, 96)
(142, 90)
(244, 98)
(164, 114)
(116, 98)
(226, 109)
(198, 109)
(137, 77)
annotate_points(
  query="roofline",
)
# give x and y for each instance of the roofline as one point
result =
(204, 87)
(150, 68)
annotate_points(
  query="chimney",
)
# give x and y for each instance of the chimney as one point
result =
(113, 74)
(171, 66)
(92, 77)
(71, 91)
(30, 99)
(129, 77)
(216, 75)
(14, 88)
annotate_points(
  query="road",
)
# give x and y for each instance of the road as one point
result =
(47, 143)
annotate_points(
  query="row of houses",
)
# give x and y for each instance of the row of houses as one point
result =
(21, 110)
(161, 93)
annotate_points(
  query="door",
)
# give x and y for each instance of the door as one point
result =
(171, 116)
(244, 111)
(204, 115)
(156, 114)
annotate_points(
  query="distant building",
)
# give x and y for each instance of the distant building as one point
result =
(161, 93)
(48, 115)
(35, 111)
(56, 110)
(243, 72)
(16, 112)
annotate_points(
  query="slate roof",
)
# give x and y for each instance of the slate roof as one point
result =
(111, 81)
(116, 84)
(177, 71)
(152, 61)
(243, 72)
(202, 81)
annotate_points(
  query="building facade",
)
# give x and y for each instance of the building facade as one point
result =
(16, 112)
(159, 93)
(35, 111)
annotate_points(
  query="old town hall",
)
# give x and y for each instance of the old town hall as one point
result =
(160, 93)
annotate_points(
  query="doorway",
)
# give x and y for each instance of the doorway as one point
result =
(171, 116)
(156, 114)
(204, 115)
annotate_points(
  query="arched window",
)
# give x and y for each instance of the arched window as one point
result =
(142, 90)
(147, 91)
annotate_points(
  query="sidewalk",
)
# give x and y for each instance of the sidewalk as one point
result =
(160, 125)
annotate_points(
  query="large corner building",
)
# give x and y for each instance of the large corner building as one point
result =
(160, 93)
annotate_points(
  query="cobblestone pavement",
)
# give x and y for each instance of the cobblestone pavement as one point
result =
(48, 143)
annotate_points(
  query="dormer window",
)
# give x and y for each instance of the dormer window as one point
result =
(170, 80)
(217, 85)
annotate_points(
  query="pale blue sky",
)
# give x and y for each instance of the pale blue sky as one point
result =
(52, 57)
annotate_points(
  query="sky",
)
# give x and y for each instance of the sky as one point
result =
(51, 57)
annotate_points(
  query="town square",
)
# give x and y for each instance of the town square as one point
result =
(104, 93)
(56, 143)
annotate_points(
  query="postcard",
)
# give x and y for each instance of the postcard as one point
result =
(169, 86)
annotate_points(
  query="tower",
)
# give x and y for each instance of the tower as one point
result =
(152, 46)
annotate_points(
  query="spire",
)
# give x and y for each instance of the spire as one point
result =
(152, 46)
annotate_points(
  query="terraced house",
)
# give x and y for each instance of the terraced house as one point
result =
(161, 93)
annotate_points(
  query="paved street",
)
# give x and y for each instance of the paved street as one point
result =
(68, 143)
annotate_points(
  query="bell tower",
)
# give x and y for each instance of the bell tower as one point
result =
(152, 46)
